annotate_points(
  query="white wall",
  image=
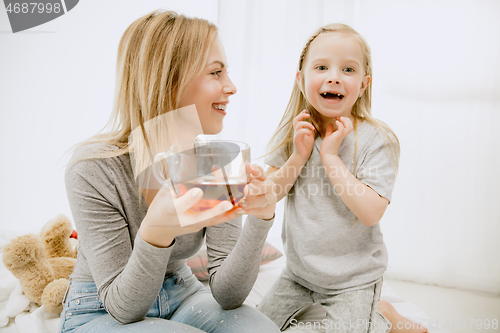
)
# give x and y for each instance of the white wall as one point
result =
(435, 82)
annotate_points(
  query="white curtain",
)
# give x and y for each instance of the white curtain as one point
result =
(436, 83)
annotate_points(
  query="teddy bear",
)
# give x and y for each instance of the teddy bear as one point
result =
(43, 263)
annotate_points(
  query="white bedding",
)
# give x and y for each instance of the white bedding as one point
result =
(18, 315)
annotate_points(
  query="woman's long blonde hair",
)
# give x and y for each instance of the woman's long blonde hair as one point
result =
(159, 56)
(361, 109)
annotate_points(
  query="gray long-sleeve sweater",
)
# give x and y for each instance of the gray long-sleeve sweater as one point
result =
(128, 271)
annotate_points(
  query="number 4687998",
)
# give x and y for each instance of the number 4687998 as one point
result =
(34, 7)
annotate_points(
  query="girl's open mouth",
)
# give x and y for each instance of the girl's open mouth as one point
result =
(328, 95)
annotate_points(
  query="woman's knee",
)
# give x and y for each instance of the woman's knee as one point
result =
(244, 319)
(203, 312)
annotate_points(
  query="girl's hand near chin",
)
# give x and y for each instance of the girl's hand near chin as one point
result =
(333, 139)
(303, 138)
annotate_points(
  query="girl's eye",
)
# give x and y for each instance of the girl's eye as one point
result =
(321, 68)
(349, 69)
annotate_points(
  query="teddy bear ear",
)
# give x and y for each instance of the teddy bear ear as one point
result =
(22, 251)
(55, 235)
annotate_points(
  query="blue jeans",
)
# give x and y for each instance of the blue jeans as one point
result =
(183, 305)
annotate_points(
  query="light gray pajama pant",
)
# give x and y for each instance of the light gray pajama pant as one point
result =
(351, 311)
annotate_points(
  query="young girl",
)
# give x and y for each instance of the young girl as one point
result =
(337, 166)
(130, 274)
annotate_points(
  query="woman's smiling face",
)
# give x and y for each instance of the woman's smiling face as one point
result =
(210, 91)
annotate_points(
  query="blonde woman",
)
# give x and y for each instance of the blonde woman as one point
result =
(130, 273)
(337, 166)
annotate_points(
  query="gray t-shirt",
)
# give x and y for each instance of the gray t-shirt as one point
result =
(328, 249)
(129, 272)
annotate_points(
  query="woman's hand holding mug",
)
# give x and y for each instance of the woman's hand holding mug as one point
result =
(210, 183)
(169, 216)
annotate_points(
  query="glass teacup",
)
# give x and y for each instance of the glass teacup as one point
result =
(217, 167)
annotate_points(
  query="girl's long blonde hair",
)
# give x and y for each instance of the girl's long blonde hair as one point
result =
(361, 109)
(159, 56)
